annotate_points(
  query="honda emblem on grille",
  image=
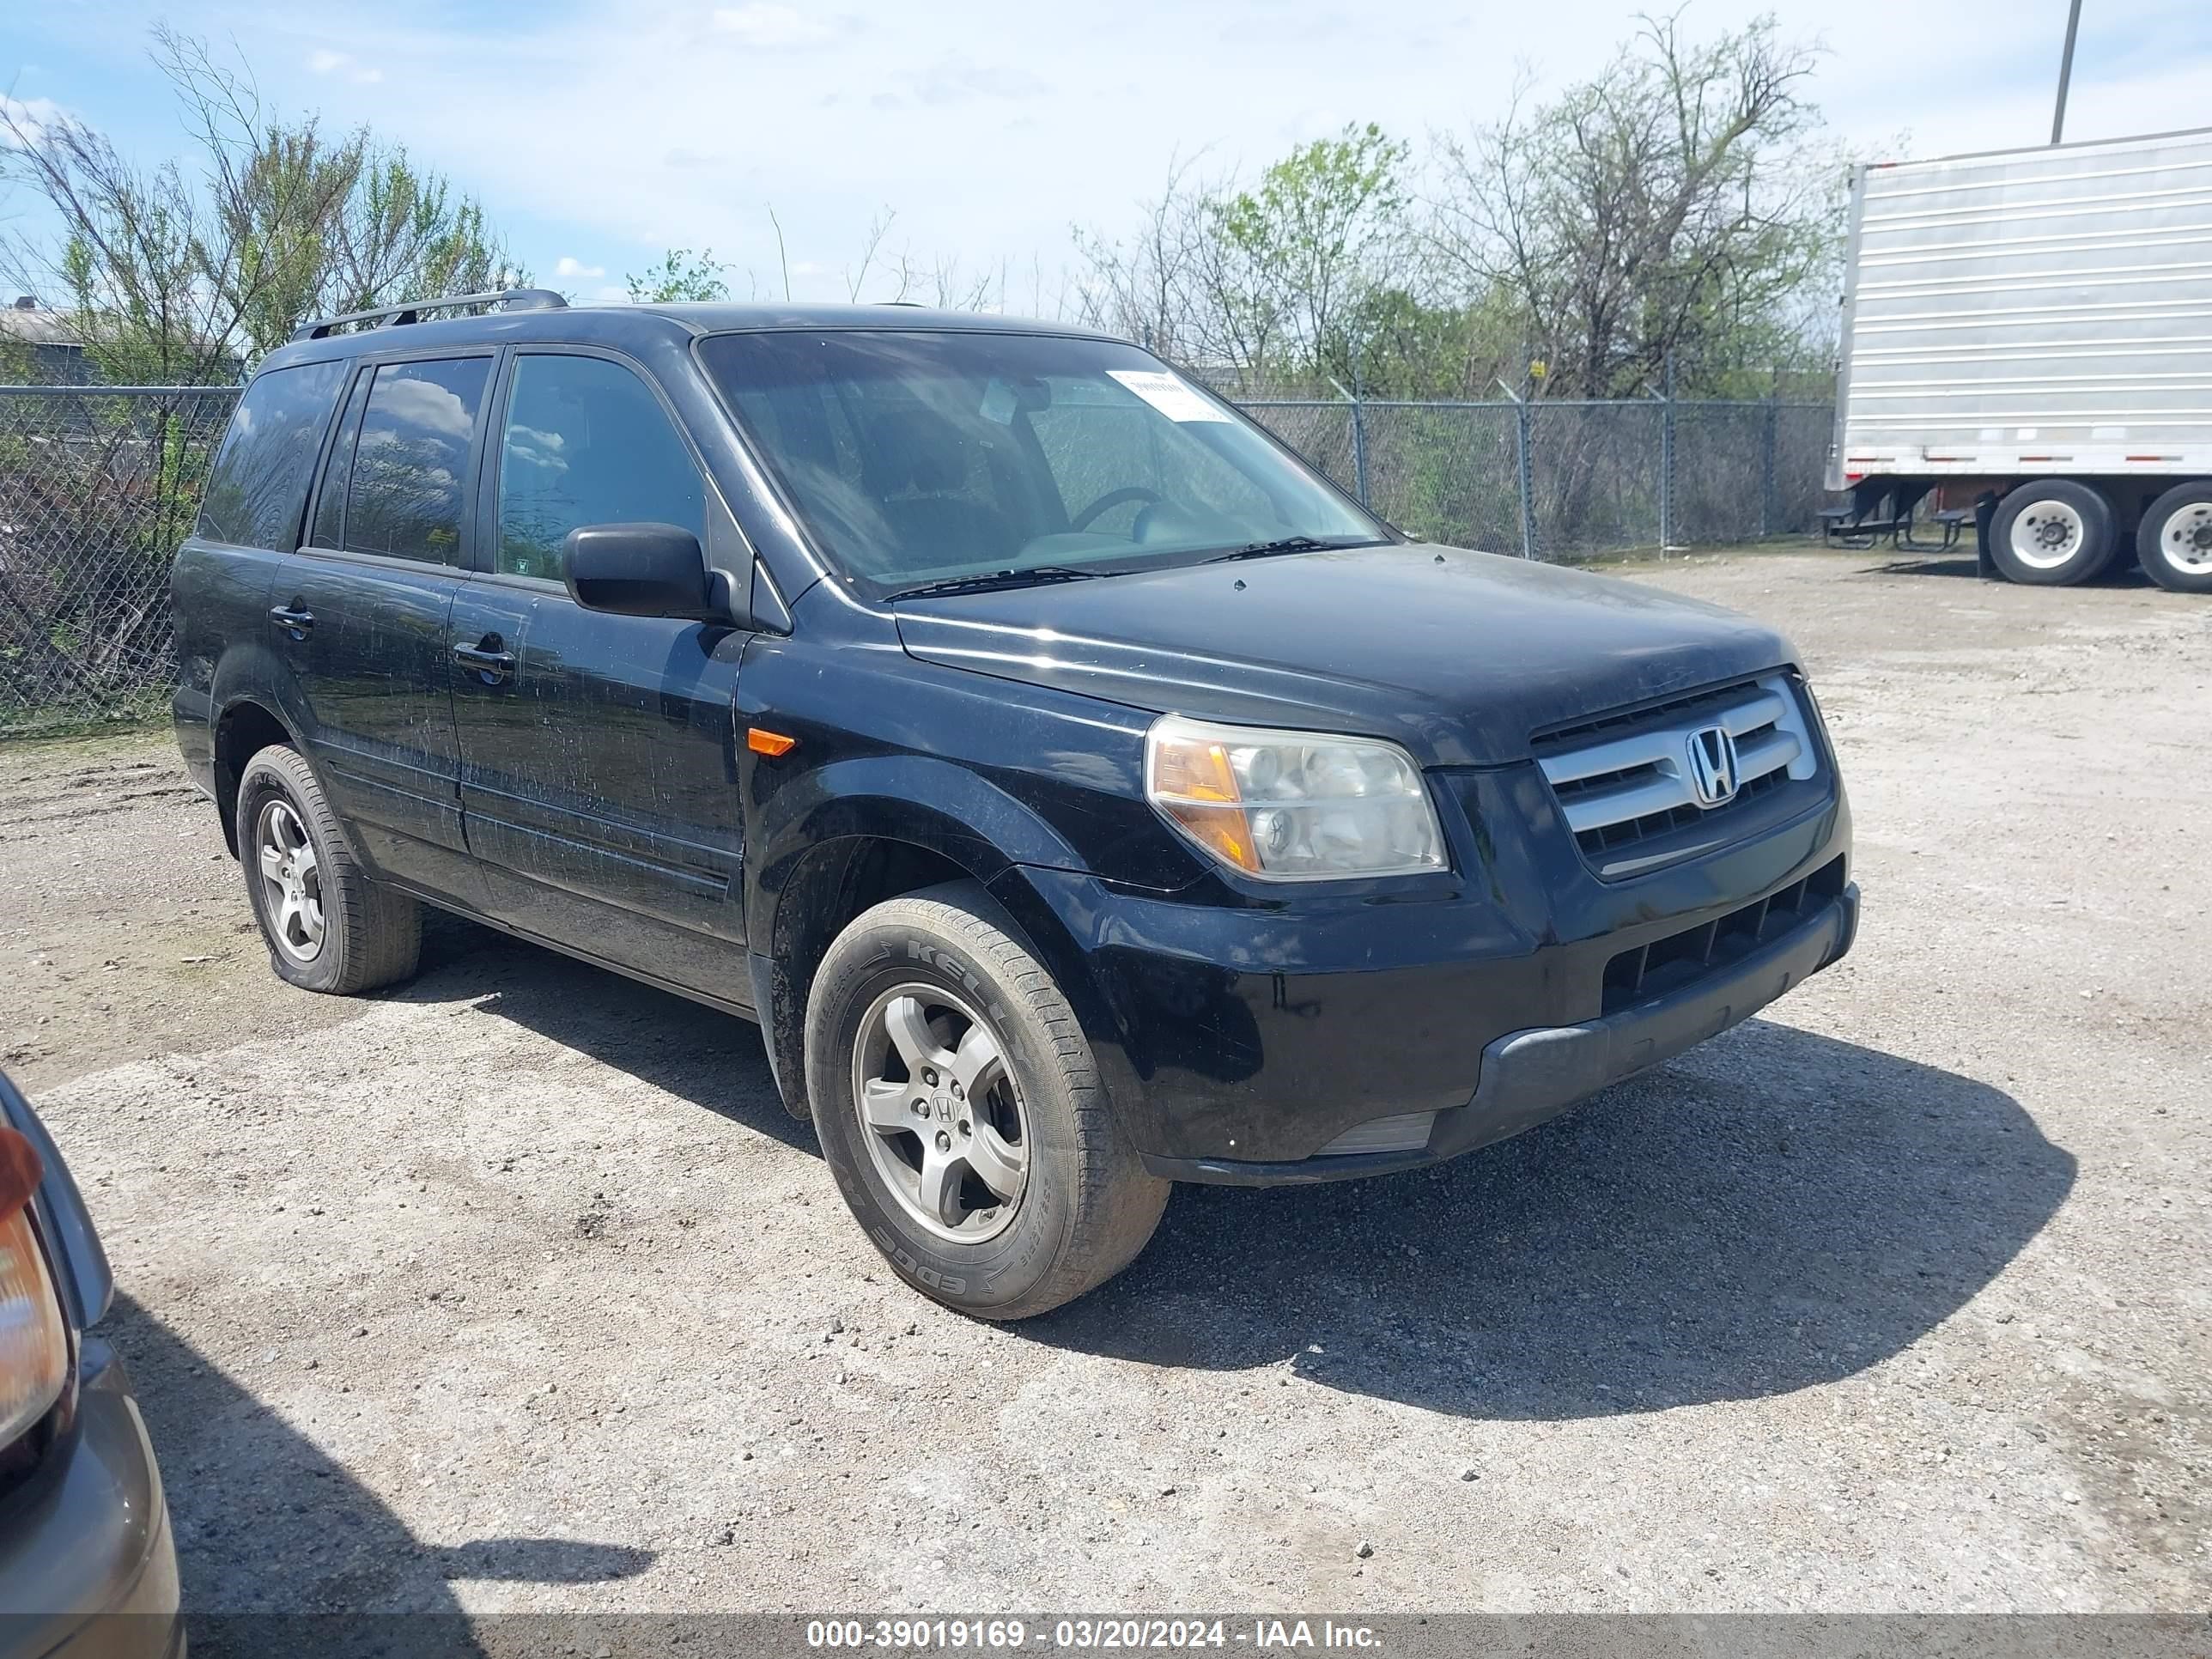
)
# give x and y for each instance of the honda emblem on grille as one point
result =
(1712, 766)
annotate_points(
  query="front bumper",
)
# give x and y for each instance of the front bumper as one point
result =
(1531, 1076)
(88, 1561)
(1255, 1038)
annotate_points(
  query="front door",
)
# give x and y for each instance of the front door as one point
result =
(362, 613)
(597, 762)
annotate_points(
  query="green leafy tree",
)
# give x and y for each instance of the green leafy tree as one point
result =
(1258, 285)
(1308, 243)
(681, 275)
(183, 272)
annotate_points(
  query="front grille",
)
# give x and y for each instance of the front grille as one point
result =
(1623, 780)
(1665, 965)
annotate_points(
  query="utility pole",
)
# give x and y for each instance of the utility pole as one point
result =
(2065, 71)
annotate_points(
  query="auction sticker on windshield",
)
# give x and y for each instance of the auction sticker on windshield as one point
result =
(1164, 392)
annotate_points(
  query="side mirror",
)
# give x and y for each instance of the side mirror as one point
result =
(639, 570)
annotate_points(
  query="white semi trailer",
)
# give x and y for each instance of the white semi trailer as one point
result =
(2028, 334)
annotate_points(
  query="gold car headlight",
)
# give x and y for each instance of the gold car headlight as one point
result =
(34, 1341)
(1293, 805)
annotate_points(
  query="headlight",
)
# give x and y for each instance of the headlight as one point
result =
(35, 1355)
(1293, 805)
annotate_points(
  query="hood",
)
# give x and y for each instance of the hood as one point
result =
(1459, 656)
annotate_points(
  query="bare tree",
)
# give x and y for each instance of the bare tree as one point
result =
(940, 281)
(1147, 288)
(856, 278)
(1670, 207)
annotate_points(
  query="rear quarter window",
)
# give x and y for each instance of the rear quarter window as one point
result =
(259, 487)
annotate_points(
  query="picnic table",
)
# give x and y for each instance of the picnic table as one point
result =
(1879, 508)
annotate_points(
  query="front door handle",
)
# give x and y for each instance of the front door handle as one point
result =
(488, 658)
(292, 619)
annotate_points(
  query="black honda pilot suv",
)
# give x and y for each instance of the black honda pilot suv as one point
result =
(1081, 792)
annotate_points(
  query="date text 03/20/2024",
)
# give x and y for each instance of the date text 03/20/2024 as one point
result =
(1007, 1634)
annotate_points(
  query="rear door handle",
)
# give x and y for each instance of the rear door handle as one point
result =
(488, 658)
(293, 620)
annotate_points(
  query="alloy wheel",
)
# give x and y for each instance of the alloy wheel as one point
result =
(941, 1113)
(291, 880)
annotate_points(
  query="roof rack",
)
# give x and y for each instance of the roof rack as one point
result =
(514, 299)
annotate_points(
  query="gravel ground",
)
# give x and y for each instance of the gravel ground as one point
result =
(516, 1289)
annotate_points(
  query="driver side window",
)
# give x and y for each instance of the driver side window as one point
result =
(585, 442)
(1095, 443)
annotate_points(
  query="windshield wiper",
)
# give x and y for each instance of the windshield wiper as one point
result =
(983, 584)
(1292, 544)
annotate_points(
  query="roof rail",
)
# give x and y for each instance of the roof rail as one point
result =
(515, 299)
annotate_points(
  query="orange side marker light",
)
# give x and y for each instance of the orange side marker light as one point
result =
(763, 742)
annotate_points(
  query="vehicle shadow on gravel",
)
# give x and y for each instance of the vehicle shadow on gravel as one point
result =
(1961, 561)
(1906, 562)
(698, 1053)
(1774, 1211)
(268, 1524)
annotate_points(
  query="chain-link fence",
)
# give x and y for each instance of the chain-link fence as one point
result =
(1559, 479)
(99, 484)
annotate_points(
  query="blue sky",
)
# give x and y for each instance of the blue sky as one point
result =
(600, 134)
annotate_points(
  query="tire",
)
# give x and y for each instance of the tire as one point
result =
(2174, 540)
(1068, 1203)
(350, 934)
(2053, 533)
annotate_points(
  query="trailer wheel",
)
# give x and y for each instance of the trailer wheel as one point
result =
(2174, 540)
(2053, 533)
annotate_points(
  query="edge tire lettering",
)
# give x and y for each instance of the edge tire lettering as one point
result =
(904, 1260)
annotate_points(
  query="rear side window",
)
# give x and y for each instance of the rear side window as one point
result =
(259, 487)
(410, 461)
(586, 442)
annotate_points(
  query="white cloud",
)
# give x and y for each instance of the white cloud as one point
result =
(424, 405)
(539, 447)
(324, 61)
(30, 116)
(569, 265)
(925, 120)
(769, 27)
(956, 79)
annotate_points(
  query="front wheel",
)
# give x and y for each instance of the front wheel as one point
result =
(961, 1110)
(2174, 540)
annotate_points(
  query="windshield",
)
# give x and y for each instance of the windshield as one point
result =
(920, 459)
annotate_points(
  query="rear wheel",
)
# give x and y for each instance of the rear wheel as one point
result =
(960, 1108)
(2174, 540)
(2053, 533)
(328, 926)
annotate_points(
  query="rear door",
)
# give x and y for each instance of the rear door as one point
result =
(362, 613)
(597, 765)
(251, 514)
